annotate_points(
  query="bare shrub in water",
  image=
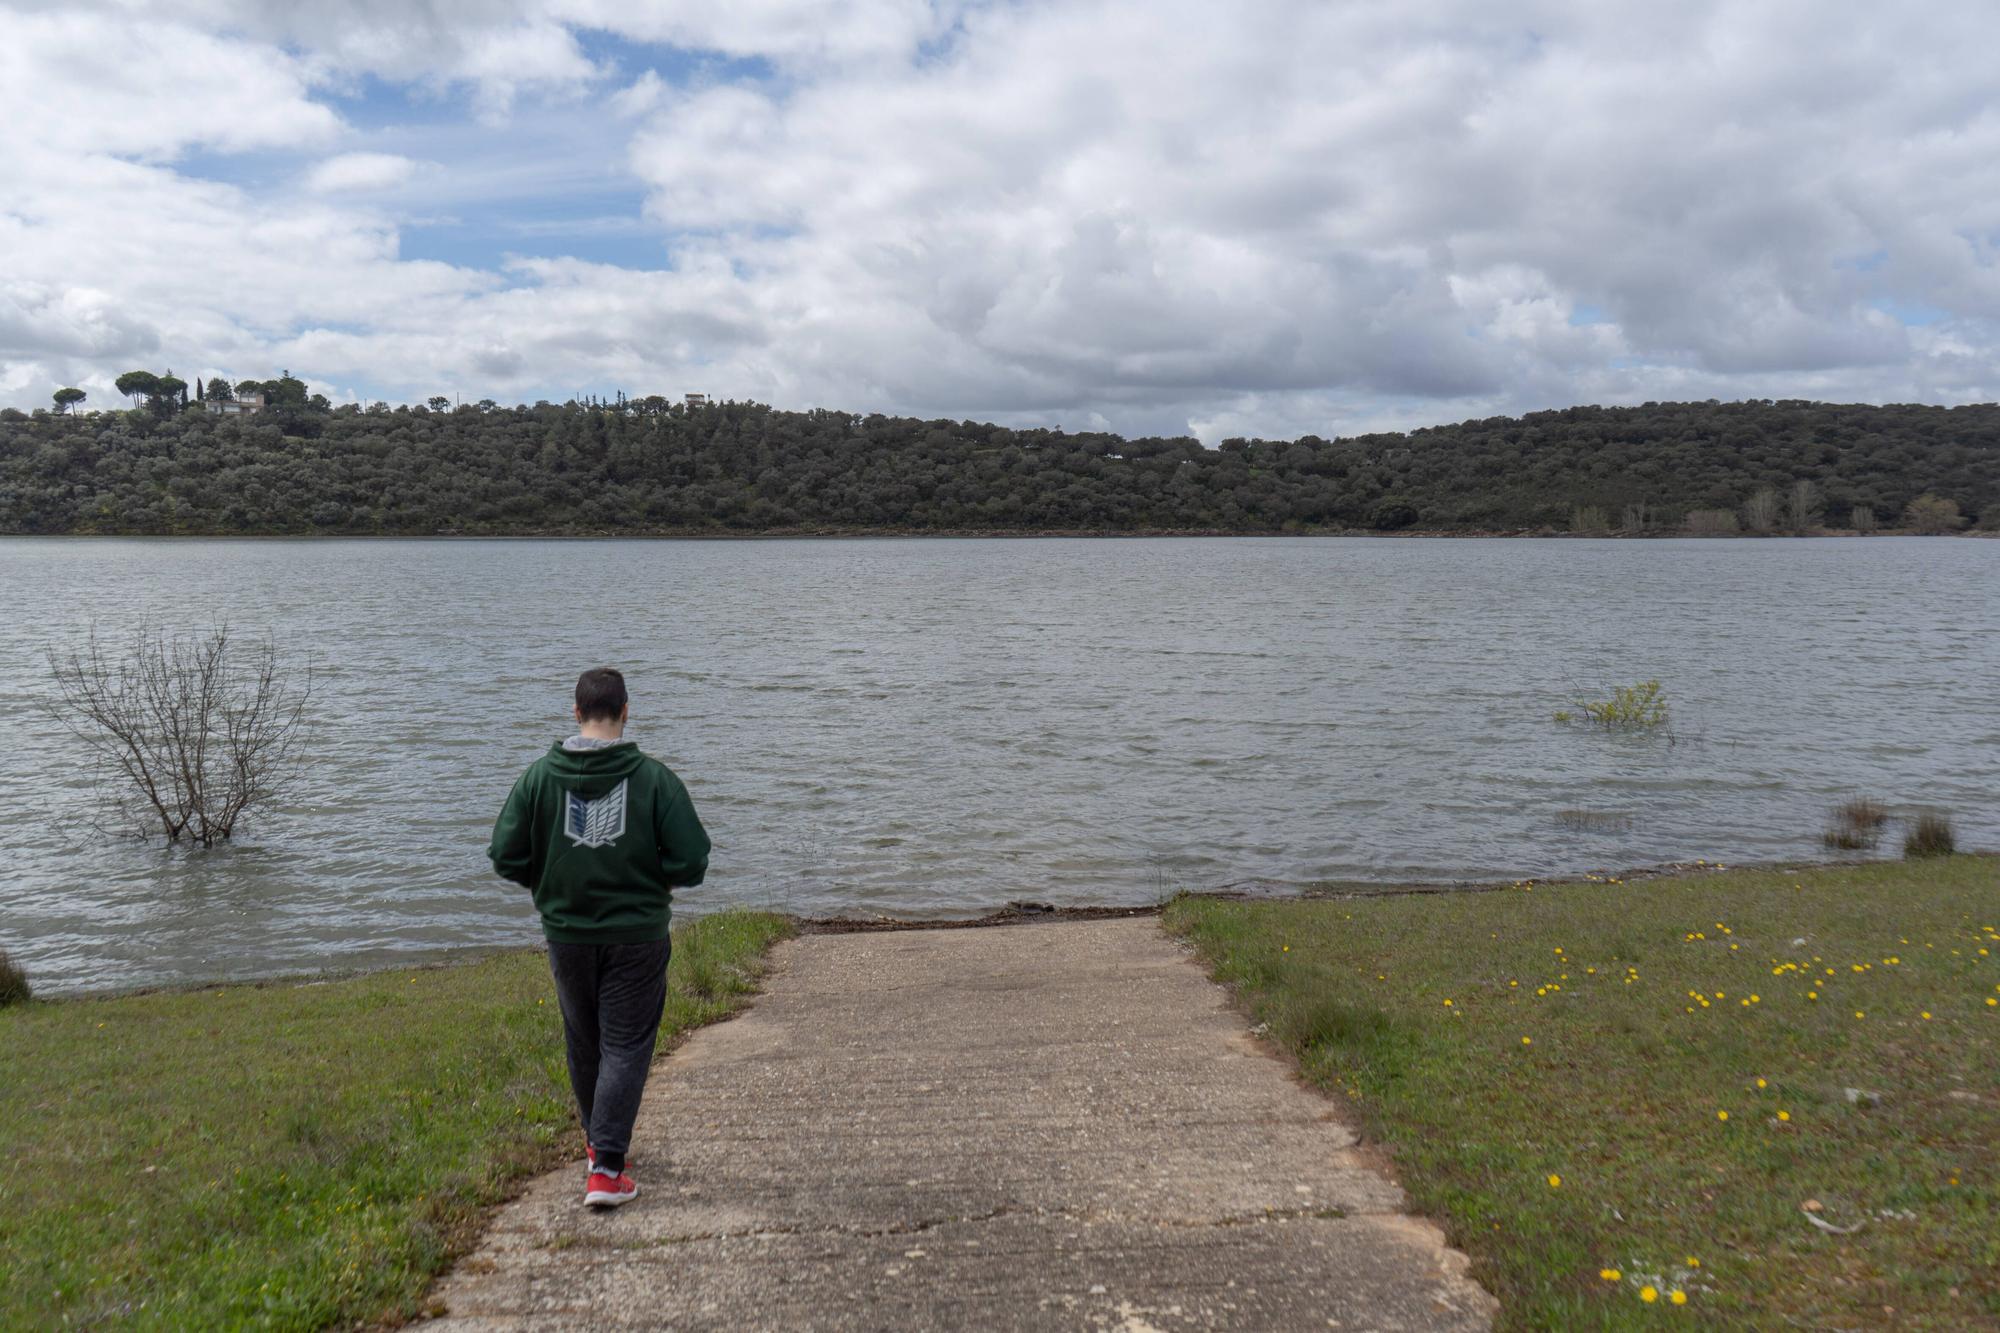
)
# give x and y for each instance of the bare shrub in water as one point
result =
(1855, 825)
(14, 987)
(196, 729)
(1930, 835)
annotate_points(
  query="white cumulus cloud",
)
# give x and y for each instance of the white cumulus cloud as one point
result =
(360, 171)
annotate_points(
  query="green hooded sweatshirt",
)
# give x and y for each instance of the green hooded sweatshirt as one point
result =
(602, 836)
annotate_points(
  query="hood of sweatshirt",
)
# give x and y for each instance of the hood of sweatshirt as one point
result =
(593, 772)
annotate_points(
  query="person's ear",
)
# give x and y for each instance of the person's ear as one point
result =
(624, 714)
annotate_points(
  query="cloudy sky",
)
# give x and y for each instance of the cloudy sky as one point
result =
(1261, 217)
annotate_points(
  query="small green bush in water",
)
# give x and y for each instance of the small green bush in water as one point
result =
(1630, 708)
(1931, 835)
(14, 988)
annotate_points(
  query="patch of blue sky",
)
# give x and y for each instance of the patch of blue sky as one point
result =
(1912, 314)
(551, 180)
(256, 171)
(1867, 263)
(602, 230)
(369, 103)
(1583, 313)
(681, 66)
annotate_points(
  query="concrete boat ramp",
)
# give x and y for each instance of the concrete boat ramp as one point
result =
(1048, 1126)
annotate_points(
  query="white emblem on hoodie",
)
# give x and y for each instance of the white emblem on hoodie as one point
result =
(597, 823)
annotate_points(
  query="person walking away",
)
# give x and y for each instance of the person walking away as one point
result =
(602, 834)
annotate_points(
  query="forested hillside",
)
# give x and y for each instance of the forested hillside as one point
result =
(651, 466)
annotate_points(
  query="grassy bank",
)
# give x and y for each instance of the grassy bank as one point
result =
(291, 1155)
(1604, 1089)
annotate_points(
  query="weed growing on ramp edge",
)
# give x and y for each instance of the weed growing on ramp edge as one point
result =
(1669, 1085)
(287, 1155)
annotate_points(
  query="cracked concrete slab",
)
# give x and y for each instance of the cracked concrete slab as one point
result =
(1022, 1127)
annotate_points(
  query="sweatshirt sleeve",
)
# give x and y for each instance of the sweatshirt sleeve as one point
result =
(512, 850)
(683, 841)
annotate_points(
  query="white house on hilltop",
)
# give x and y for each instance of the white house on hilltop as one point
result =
(241, 405)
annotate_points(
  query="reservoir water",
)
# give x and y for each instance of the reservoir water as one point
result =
(934, 727)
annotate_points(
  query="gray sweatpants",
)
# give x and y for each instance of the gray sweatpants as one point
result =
(612, 996)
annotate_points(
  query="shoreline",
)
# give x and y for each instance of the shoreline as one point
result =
(991, 534)
(1015, 912)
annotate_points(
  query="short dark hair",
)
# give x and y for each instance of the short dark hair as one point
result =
(600, 694)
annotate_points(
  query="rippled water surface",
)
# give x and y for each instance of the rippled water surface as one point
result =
(935, 727)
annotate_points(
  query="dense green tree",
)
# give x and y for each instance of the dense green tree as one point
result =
(169, 393)
(285, 391)
(67, 399)
(1392, 514)
(137, 384)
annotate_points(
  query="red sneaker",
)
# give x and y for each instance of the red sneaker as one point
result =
(603, 1190)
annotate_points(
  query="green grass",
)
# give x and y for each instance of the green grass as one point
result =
(292, 1155)
(1413, 1010)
